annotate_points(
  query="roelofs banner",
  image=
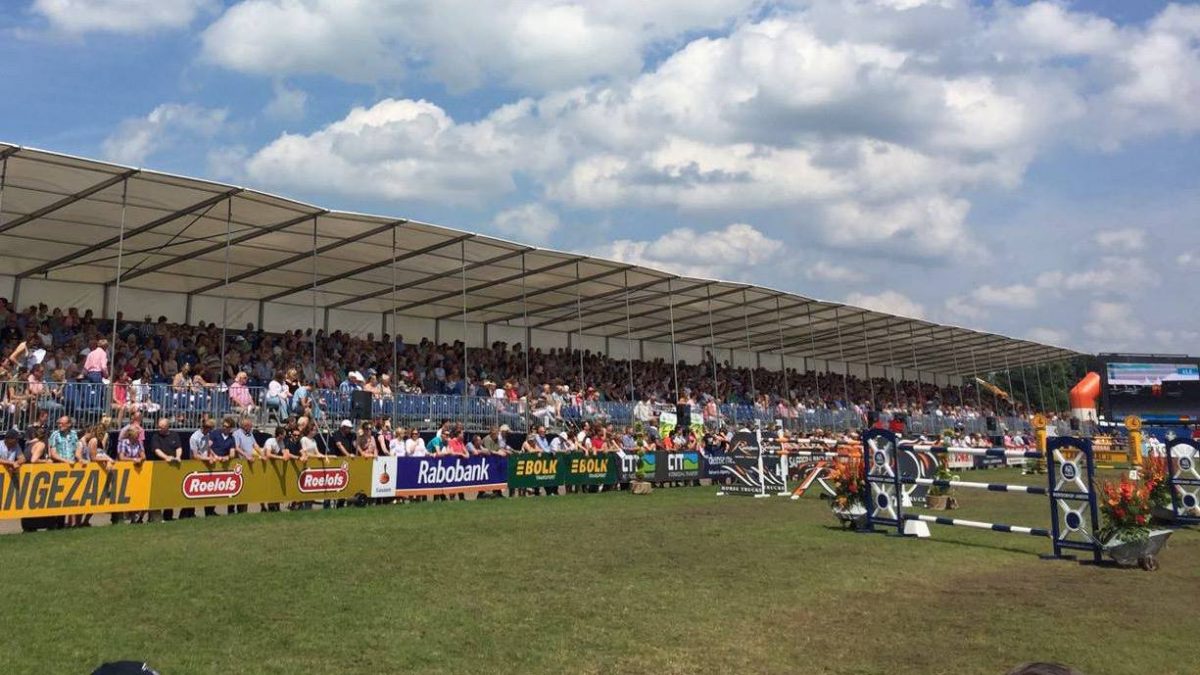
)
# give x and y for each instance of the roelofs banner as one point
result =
(41, 490)
(416, 476)
(569, 468)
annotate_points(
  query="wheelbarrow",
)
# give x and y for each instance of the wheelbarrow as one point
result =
(1142, 552)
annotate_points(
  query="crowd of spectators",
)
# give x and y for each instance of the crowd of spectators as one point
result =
(47, 348)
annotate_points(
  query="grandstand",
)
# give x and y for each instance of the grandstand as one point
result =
(233, 264)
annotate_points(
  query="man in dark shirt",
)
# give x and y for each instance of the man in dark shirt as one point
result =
(222, 447)
(163, 446)
(343, 446)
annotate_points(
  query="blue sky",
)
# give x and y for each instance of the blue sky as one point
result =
(1029, 168)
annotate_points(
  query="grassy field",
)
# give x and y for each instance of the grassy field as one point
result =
(678, 582)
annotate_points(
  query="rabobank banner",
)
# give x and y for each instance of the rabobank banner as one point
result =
(414, 476)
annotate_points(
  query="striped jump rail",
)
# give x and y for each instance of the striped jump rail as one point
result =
(979, 525)
(975, 452)
(991, 487)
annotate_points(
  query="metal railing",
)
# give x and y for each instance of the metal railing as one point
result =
(186, 406)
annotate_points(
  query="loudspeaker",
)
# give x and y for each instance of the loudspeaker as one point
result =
(360, 403)
(1074, 424)
(901, 417)
(872, 418)
(991, 423)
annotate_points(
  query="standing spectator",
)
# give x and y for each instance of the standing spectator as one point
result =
(11, 455)
(95, 367)
(364, 444)
(130, 449)
(224, 449)
(278, 398)
(200, 448)
(164, 446)
(343, 440)
(415, 445)
(64, 443)
(36, 450)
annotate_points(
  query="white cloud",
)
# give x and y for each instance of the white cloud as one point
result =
(1188, 259)
(136, 139)
(1016, 296)
(1124, 240)
(533, 223)
(398, 149)
(823, 270)
(961, 306)
(121, 16)
(527, 44)
(287, 104)
(890, 302)
(1053, 336)
(726, 253)
(1113, 325)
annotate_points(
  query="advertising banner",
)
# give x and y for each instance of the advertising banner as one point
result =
(416, 476)
(192, 483)
(662, 466)
(717, 464)
(37, 490)
(570, 468)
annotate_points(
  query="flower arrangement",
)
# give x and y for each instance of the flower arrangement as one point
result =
(1126, 511)
(1154, 472)
(849, 482)
(943, 473)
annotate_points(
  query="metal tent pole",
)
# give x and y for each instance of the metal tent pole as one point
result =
(629, 341)
(712, 346)
(225, 287)
(812, 339)
(867, 345)
(837, 320)
(674, 356)
(528, 415)
(962, 401)
(912, 344)
(466, 378)
(1012, 403)
(782, 364)
(112, 353)
(892, 360)
(316, 367)
(746, 321)
(579, 326)
(975, 367)
(1037, 370)
(392, 337)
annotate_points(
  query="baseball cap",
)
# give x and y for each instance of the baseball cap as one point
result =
(347, 423)
(12, 435)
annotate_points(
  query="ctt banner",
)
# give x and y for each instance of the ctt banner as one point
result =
(663, 466)
(570, 468)
(417, 476)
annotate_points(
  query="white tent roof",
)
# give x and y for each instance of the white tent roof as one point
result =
(61, 218)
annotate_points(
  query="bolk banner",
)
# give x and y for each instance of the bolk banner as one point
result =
(529, 470)
(417, 476)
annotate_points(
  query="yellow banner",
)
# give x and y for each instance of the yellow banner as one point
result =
(60, 489)
(193, 483)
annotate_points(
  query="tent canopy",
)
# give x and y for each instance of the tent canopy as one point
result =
(78, 220)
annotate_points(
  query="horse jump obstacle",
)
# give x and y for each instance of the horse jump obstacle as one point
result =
(1074, 512)
(1183, 479)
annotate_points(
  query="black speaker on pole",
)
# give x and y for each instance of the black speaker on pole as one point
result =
(991, 423)
(1074, 424)
(360, 404)
(872, 418)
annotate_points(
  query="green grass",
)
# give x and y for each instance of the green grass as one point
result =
(678, 582)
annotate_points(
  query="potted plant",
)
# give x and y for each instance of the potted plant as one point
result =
(1126, 535)
(942, 498)
(849, 483)
(1154, 472)
(641, 486)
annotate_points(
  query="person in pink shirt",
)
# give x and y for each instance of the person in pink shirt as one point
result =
(95, 367)
(239, 393)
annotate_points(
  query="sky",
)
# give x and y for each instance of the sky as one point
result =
(1026, 168)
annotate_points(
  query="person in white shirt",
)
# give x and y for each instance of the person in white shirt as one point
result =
(415, 445)
(278, 397)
